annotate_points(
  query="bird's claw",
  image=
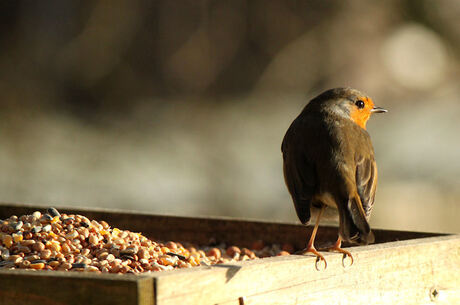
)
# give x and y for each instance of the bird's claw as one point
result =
(319, 257)
(345, 255)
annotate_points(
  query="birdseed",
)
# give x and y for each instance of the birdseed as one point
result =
(55, 241)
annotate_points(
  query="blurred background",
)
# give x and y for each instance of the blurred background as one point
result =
(179, 107)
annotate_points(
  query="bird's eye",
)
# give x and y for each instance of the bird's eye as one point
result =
(359, 104)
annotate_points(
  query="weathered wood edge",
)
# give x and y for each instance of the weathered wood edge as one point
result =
(197, 285)
(226, 283)
(72, 288)
(202, 230)
(98, 210)
(40, 207)
(308, 258)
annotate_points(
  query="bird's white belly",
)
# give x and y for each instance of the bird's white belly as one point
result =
(327, 199)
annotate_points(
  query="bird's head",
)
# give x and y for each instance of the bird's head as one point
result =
(348, 103)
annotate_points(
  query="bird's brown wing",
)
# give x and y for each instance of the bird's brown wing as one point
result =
(366, 182)
(299, 174)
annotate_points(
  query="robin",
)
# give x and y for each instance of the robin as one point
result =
(329, 162)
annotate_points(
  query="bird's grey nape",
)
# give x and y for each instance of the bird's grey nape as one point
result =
(343, 108)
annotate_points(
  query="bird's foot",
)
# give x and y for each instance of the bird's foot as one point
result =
(319, 257)
(336, 248)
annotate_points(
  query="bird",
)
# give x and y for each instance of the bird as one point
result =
(328, 161)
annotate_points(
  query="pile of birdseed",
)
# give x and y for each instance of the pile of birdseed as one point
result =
(54, 241)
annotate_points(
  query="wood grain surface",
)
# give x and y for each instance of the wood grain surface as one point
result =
(401, 268)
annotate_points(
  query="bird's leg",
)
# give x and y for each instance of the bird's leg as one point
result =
(311, 246)
(336, 247)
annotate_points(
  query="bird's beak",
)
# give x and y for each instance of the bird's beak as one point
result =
(378, 110)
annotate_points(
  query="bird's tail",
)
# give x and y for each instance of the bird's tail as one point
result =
(354, 227)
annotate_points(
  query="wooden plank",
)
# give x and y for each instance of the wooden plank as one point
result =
(384, 272)
(202, 230)
(71, 288)
(404, 272)
(197, 230)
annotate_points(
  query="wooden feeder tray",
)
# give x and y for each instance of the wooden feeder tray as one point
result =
(400, 268)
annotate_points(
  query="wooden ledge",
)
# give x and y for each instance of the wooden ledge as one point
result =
(401, 268)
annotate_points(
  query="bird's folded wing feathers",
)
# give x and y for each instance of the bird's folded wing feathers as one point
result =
(366, 182)
(300, 179)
